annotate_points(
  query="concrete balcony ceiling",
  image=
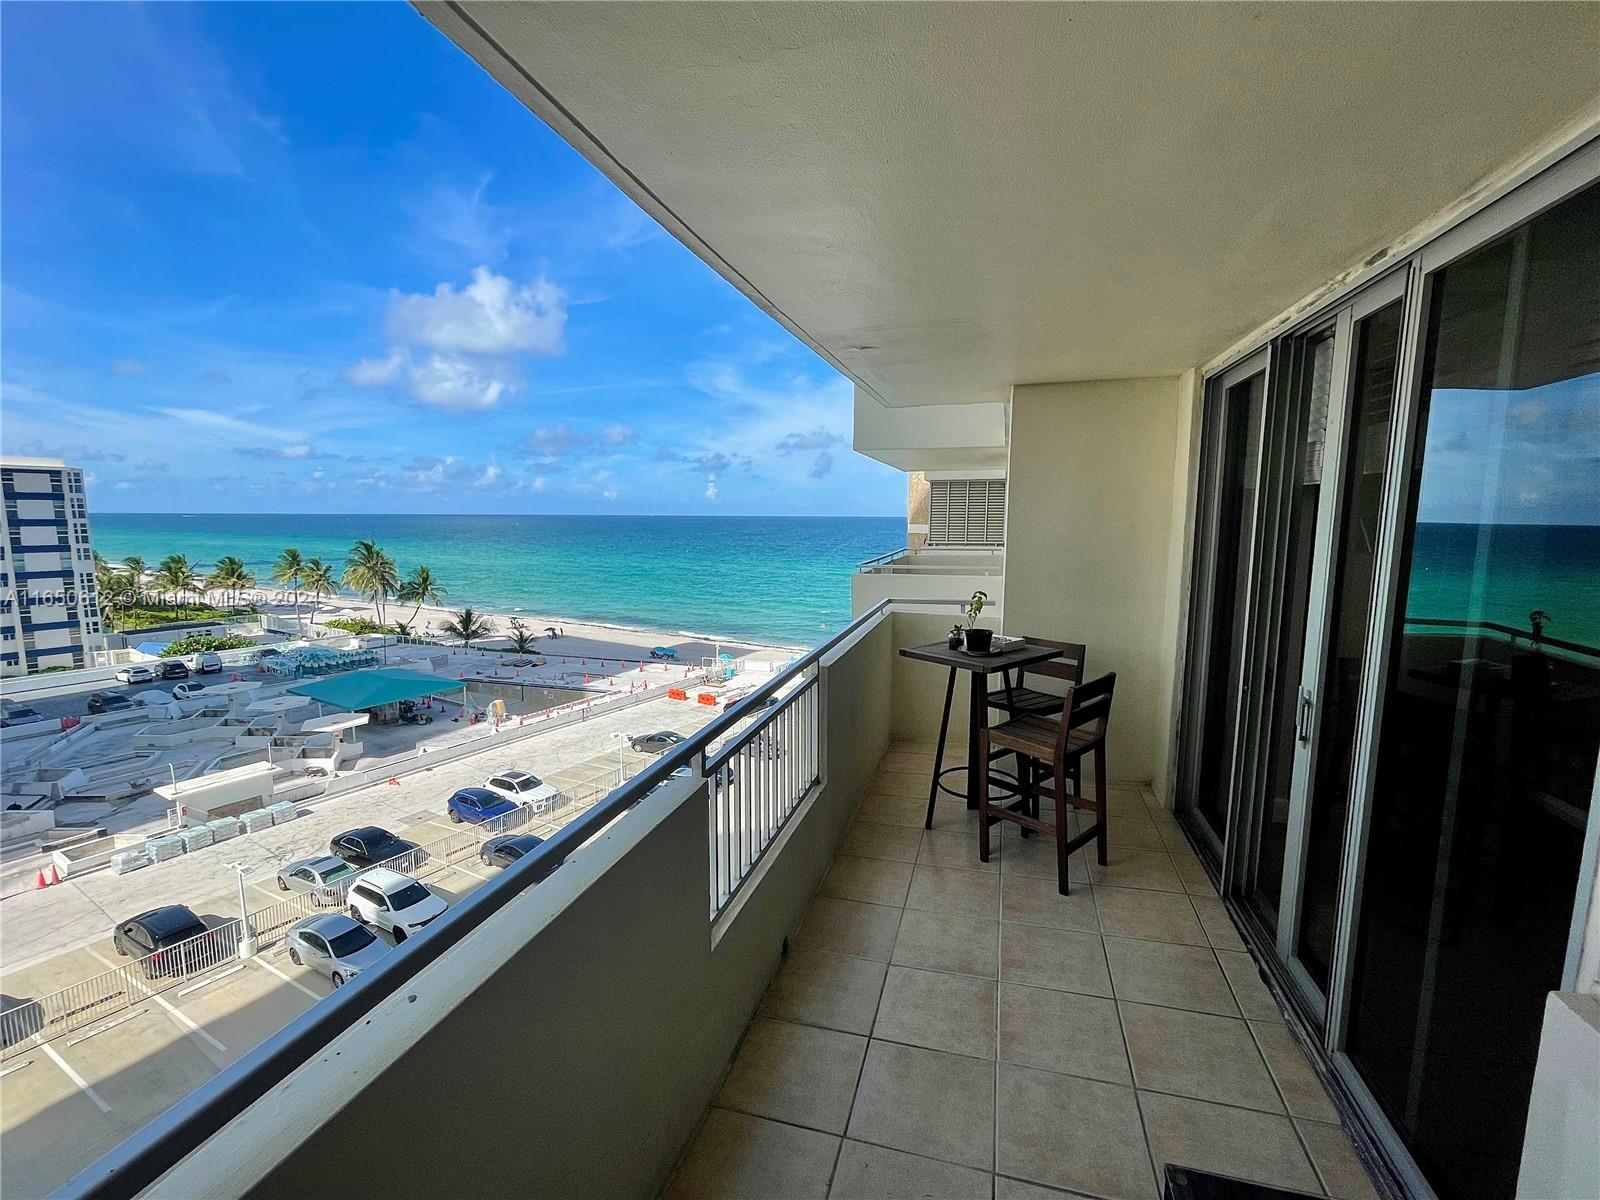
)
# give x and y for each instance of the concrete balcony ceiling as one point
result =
(945, 200)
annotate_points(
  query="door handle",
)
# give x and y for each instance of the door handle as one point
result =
(1303, 723)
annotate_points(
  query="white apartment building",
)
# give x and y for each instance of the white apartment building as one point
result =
(49, 611)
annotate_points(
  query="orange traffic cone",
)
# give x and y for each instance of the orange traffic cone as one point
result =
(42, 882)
(55, 876)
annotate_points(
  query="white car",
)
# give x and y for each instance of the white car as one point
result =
(387, 899)
(520, 787)
(136, 675)
(188, 691)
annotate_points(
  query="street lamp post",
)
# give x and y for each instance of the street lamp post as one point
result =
(247, 936)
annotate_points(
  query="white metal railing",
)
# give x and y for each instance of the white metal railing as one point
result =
(756, 781)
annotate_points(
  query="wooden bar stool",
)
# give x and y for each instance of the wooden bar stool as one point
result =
(1019, 700)
(1057, 744)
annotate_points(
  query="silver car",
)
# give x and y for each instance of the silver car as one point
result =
(335, 946)
(324, 878)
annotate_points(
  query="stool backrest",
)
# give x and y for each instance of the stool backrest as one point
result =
(1067, 665)
(1088, 704)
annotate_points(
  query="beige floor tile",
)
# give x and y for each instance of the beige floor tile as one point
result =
(872, 839)
(1017, 1189)
(1255, 1001)
(901, 783)
(1199, 1055)
(1336, 1161)
(832, 990)
(940, 942)
(875, 1173)
(1255, 1146)
(1071, 1133)
(1217, 923)
(909, 811)
(1134, 833)
(1037, 856)
(926, 1102)
(959, 893)
(909, 762)
(1154, 916)
(1069, 959)
(873, 880)
(1062, 1031)
(849, 927)
(1173, 837)
(952, 814)
(795, 1073)
(1126, 868)
(1163, 973)
(1036, 900)
(735, 1156)
(1195, 879)
(937, 1010)
(956, 848)
(1297, 1082)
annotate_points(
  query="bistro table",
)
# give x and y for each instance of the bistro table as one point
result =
(979, 667)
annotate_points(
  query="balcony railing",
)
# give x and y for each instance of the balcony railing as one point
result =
(623, 928)
(986, 561)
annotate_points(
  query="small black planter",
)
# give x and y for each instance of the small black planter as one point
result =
(979, 640)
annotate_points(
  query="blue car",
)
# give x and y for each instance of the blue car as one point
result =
(477, 805)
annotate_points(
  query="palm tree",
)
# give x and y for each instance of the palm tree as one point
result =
(317, 578)
(420, 588)
(289, 571)
(232, 576)
(108, 584)
(469, 626)
(133, 567)
(521, 639)
(176, 574)
(372, 574)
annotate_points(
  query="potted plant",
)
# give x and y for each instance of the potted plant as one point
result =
(978, 640)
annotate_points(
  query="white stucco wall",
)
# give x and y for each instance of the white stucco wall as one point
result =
(1092, 516)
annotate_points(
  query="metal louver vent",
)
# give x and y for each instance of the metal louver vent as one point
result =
(967, 512)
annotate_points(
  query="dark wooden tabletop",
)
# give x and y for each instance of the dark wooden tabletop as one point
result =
(981, 664)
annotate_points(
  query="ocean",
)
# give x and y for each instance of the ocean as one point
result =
(780, 579)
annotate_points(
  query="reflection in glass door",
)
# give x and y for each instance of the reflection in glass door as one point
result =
(1489, 721)
(1231, 449)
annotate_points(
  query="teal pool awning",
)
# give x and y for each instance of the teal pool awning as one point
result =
(369, 689)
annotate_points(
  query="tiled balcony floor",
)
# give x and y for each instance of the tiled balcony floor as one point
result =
(946, 1028)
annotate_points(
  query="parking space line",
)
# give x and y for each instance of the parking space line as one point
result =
(83, 1084)
(106, 1026)
(195, 987)
(470, 871)
(284, 975)
(14, 1067)
(178, 1014)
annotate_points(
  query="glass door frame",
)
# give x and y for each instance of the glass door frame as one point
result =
(1203, 590)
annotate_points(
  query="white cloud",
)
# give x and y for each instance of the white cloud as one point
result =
(711, 488)
(491, 315)
(491, 475)
(375, 372)
(122, 485)
(206, 419)
(447, 381)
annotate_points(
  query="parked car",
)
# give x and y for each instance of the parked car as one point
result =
(392, 901)
(656, 743)
(718, 779)
(108, 702)
(334, 945)
(319, 877)
(152, 935)
(506, 849)
(174, 668)
(476, 805)
(522, 786)
(207, 662)
(12, 713)
(368, 845)
(136, 675)
(188, 691)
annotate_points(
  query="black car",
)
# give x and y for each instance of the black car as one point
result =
(657, 743)
(368, 846)
(107, 702)
(152, 935)
(173, 668)
(506, 849)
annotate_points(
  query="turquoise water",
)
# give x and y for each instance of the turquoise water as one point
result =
(785, 579)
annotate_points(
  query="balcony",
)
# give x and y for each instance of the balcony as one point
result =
(924, 579)
(777, 985)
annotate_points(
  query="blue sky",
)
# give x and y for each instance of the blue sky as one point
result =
(310, 257)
